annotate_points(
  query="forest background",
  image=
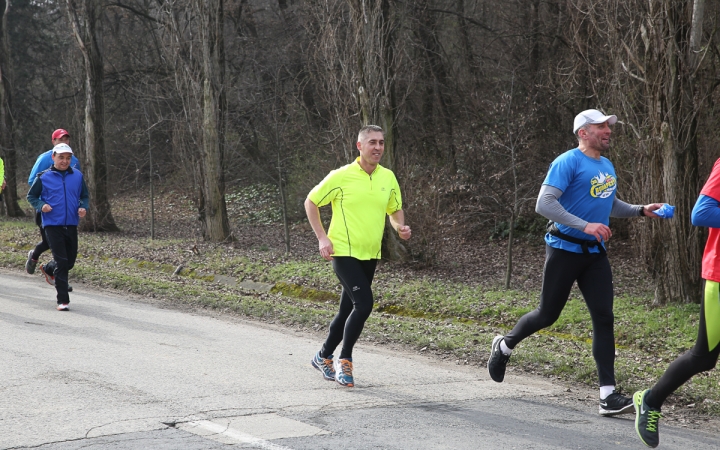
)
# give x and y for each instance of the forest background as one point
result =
(477, 97)
(201, 125)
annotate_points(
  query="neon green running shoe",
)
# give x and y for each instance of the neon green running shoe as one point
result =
(646, 420)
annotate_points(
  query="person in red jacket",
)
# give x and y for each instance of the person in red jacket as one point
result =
(704, 355)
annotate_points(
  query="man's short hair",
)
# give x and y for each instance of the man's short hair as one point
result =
(364, 131)
(585, 127)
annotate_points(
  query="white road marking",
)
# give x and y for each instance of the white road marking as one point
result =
(237, 435)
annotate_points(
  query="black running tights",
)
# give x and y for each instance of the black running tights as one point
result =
(356, 302)
(701, 358)
(594, 278)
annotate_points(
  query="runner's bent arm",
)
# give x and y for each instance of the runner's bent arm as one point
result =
(549, 206)
(623, 210)
(313, 215)
(706, 212)
(33, 195)
(397, 220)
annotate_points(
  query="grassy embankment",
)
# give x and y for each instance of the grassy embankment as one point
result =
(452, 320)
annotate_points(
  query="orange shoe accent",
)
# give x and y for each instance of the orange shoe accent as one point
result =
(347, 368)
(49, 278)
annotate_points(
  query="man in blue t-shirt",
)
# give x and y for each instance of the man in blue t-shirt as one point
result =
(579, 197)
(42, 163)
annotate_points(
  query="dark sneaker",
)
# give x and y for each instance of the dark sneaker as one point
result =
(30, 263)
(49, 278)
(615, 404)
(343, 372)
(63, 307)
(646, 420)
(324, 365)
(497, 360)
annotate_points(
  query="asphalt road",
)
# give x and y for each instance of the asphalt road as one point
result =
(122, 373)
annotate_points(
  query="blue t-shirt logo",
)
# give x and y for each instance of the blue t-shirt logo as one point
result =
(603, 185)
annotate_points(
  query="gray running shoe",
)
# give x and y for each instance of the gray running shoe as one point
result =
(30, 263)
(63, 307)
(615, 404)
(646, 420)
(324, 365)
(497, 361)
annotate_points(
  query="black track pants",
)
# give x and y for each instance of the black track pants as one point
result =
(356, 302)
(594, 278)
(701, 358)
(64, 245)
(42, 246)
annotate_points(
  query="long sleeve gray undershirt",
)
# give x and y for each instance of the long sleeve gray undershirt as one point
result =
(548, 205)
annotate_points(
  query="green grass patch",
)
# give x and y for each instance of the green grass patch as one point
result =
(423, 313)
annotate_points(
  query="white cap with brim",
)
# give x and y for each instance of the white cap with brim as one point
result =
(592, 116)
(62, 148)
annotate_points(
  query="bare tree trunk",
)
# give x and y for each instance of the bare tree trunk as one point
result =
(7, 144)
(194, 47)
(373, 32)
(216, 226)
(511, 238)
(657, 45)
(283, 199)
(372, 28)
(673, 153)
(515, 210)
(437, 99)
(696, 32)
(152, 178)
(86, 20)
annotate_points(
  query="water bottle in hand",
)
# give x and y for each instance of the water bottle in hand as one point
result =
(666, 211)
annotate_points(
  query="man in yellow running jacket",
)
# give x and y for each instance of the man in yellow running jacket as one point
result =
(361, 194)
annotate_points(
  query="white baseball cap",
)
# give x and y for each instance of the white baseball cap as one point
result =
(592, 116)
(62, 148)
